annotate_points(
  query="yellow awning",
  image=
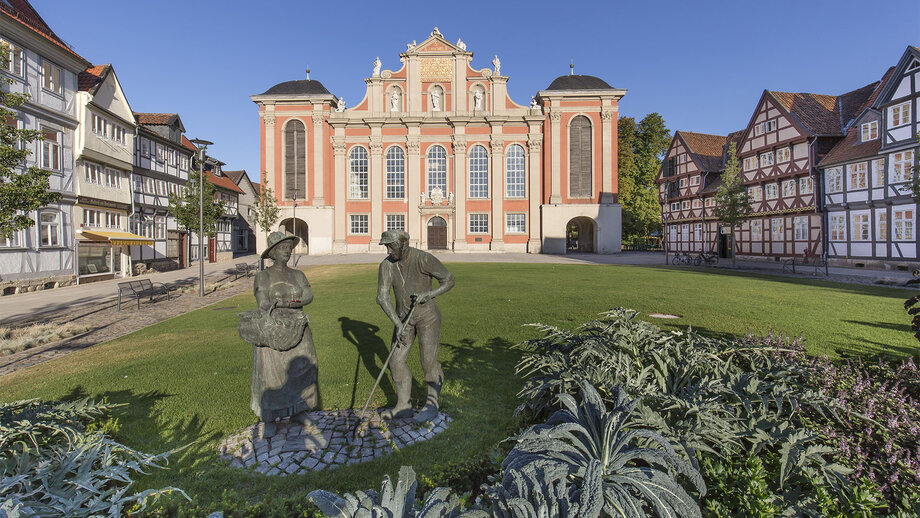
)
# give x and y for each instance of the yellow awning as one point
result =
(116, 238)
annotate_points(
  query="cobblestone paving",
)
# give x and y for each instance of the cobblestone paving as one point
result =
(326, 443)
(107, 323)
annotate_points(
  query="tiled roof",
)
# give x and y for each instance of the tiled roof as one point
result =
(707, 148)
(298, 87)
(712, 186)
(223, 182)
(819, 113)
(154, 118)
(578, 82)
(186, 143)
(257, 188)
(236, 176)
(733, 137)
(23, 12)
(90, 79)
(851, 147)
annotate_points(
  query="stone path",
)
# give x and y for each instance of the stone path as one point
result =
(326, 444)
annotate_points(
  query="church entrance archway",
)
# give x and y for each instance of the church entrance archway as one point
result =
(437, 233)
(579, 235)
(299, 228)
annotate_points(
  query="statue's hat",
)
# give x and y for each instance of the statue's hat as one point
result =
(277, 237)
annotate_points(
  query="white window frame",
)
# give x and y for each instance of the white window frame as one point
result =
(899, 115)
(881, 225)
(860, 229)
(395, 173)
(868, 131)
(478, 223)
(755, 192)
(515, 172)
(436, 169)
(788, 188)
(858, 176)
(358, 174)
(750, 163)
(771, 191)
(359, 224)
(697, 232)
(51, 150)
(783, 155)
(50, 230)
(682, 183)
(800, 228)
(515, 223)
(833, 177)
(903, 224)
(766, 159)
(878, 173)
(675, 206)
(14, 241)
(756, 230)
(902, 166)
(16, 63)
(685, 205)
(805, 185)
(838, 224)
(52, 77)
(697, 203)
(394, 222)
(478, 172)
(777, 229)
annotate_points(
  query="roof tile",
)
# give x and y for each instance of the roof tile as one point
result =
(223, 182)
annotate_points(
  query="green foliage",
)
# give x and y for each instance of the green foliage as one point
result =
(732, 202)
(20, 190)
(50, 465)
(265, 212)
(641, 148)
(186, 207)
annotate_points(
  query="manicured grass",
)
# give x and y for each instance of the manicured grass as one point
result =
(186, 380)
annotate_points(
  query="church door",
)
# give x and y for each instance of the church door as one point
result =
(437, 233)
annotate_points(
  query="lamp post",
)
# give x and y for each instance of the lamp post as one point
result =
(202, 146)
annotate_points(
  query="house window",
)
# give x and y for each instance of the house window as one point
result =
(805, 185)
(783, 154)
(50, 228)
(672, 233)
(159, 227)
(838, 227)
(881, 225)
(514, 172)
(437, 169)
(92, 173)
(771, 191)
(51, 77)
(479, 172)
(580, 158)
(860, 227)
(755, 193)
(766, 159)
(756, 230)
(834, 179)
(14, 241)
(14, 56)
(868, 131)
(685, 232)
(357, 173)
(295, 160)
(515, 223)
(878, 172)
(903, 166)
(675, 206)
(788, 188)
(903, 225)
(800, 228)
(709, 202)
(697, 203)
(899, 115)
(395, 222)
(684, 205)
(697, 232)
(358, 224)
(776, 229)
(695, 180)
(750, 163)
(396, 173)
(682, 183)
(51, 150)
(145, 147)
(857, 174)
(479, 223)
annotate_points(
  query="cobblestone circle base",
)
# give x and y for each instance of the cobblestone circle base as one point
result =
(326, 443)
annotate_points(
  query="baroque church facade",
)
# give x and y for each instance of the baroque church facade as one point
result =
(439, 149)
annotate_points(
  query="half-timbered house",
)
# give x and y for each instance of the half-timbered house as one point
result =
(221, 246)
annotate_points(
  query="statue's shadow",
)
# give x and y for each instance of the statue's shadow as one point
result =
(372, 352)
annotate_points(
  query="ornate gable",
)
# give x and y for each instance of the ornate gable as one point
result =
(436, 44)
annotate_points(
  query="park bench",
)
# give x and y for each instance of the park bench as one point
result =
(242, 270)
(804, 262)
(141, 288)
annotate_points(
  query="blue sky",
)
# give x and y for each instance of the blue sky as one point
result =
(701, 65)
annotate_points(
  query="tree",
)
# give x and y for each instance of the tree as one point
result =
(185, 207)
(21, 190)
(641, 150)
(265, 212)
(733, 203)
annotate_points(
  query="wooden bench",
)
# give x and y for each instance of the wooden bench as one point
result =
(806, 261)
(141, 288)
(242, 269)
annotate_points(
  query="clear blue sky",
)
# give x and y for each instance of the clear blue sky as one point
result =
(701, 65)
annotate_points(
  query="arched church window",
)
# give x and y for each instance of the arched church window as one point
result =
(396, 173)
(357, 173)
(514, 171)
(295, 160)
(580, 159)
(437, 169)
(479, 172)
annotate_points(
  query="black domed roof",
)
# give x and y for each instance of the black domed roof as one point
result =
(298, 87)
(576, 82)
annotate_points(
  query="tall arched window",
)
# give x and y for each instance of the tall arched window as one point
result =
(437, 169)
(479, 172)
(295, 160)
(580, 157)
(357, 173)
(396, 173)
(514, 172)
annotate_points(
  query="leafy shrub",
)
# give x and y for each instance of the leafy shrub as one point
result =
(50, 465)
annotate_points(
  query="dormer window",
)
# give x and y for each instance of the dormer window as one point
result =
(765, 127)
(868, 131)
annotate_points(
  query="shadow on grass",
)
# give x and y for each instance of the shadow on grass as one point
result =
(486, 371)
(371, 348)
(894, 326)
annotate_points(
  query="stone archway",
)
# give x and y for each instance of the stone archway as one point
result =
(437, 233)
(579, 235)
(300, 229)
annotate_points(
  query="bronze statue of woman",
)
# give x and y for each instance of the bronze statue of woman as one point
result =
(284, 368)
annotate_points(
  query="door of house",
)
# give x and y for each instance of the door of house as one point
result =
(183, 249)
(212, 249)
(437, 233)
(725, 246)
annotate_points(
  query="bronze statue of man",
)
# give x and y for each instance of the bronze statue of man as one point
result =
(409, 272)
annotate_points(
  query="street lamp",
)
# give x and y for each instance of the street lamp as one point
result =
(202, 146)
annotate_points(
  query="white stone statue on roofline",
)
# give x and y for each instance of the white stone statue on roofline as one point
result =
(377, 67)
(394, 101)
(477, 100)
(436, 100)
(340, 106)
(410, 46)
(461, 44)
(533, 103)
(497, 64)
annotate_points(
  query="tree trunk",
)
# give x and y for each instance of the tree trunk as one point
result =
(733, 247)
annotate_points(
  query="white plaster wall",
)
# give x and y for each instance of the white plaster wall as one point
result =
(608, 219)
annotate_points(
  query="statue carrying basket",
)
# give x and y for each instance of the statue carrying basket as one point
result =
(280, 331)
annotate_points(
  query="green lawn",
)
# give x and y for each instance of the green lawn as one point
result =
(187, 379)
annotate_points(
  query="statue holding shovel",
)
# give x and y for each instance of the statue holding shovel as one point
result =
(409, 273)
